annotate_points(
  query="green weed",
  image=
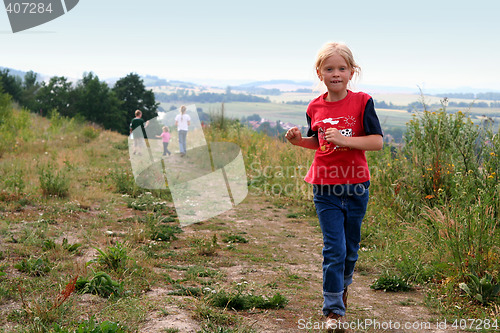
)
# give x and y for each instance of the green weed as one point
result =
(49, 244)
(186, 291)
(124, 183)
(164, 233)
(114, 257)
(34, 266)
(483, 290)
(90, 133)
(100, 284)
(147, 202)
(53, 183)
(92, 326)
(389, 282)
(240, 299)
(234, 239)
(205, 246)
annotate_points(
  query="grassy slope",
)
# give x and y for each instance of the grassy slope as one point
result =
(95, 215)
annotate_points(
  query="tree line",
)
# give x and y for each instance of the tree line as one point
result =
(490, 96)
(184, 95)
(89, 98)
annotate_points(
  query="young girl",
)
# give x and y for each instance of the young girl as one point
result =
(342, 126)
(165, 138)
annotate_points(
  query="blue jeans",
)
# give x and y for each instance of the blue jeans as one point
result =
(165, 148)
(182, 141)
(341, 209)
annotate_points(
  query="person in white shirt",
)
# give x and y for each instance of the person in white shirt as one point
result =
(182, 121)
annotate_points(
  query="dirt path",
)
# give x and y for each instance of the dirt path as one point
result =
(284, 255)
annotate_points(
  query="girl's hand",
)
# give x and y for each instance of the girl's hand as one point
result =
(293, 135)
(334, 136)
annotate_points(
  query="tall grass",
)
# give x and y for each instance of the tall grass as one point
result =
(435, 200)
(274, 167)
(14, 126)
(443, 189)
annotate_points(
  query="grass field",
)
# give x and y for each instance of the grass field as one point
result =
(295, 114)
(80, 242)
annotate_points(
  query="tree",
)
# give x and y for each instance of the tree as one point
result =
(58, 95)
(133, 95)
(98, 103)
(30, 88)
(12, 85)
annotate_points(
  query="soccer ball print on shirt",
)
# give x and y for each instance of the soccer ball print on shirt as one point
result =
(343, 124)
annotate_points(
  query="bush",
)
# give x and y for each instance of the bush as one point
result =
(90, 133)
(100, 284)
(34, 266)
(440, 195)
(53, 183)
(14, 125)
(391, 283)
(91, 326)
(115, 257)
(124, 183)
(483, 290)
(241, 301)
(164, 233)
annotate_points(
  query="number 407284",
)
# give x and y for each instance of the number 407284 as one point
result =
(28, 8)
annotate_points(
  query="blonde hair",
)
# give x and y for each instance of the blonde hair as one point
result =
(183, 110)
(138, 113)
(165, 128)
(332, 48)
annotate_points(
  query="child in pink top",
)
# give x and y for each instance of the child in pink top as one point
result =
(165, 136)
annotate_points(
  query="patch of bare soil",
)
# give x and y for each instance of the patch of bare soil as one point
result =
(171, 316)
(283, 254)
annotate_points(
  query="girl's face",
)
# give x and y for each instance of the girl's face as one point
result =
(336, 74)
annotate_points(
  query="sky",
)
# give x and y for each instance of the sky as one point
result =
(428, 44)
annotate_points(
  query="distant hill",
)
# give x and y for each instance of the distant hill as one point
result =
(290, 85)
(269, 87)
(276, 84)
(15, 72)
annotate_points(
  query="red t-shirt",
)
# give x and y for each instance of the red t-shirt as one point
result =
(333, 164)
